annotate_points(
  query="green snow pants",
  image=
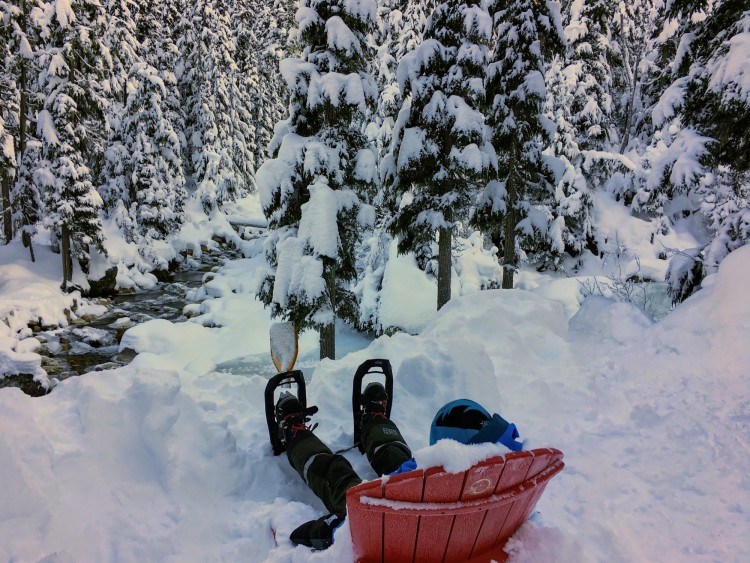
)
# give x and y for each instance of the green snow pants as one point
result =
(330, 475)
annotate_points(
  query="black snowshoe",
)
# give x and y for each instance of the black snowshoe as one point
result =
(377, 398)
(277, 412)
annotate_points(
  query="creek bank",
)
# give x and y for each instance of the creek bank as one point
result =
(91, 343)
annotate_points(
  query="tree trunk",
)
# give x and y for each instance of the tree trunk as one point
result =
(22, 114)
(328, 332)
(444, 267)
(629, 111)
(67, 258)
(27, 243)
(510, 260)
(7, 214)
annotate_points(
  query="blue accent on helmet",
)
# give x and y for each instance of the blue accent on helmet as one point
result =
(508, 439)
(468, 422)
(458, 420)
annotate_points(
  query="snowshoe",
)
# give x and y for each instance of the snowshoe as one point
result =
(275, 431)
(377, 398)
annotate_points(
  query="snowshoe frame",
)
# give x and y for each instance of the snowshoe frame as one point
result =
(369, 367)
(286, 378)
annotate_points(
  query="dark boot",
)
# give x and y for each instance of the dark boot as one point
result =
(317, 534)
(291, 417)
(384, 445)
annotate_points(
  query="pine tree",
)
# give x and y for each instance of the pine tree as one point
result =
(415, 15)
(261, 29)
(145, 174)
(593, 58)
(24, 42)
(9, 110)
(636, 76)
(696, 161)
(717, 100)
(717, 104)
(74, 65)
(526, 34)
(569, 209)
(315, 189)
(157, 186)
(7, 171)
(221, 161)
(442, 153)
(28, 208)
(125, 51)
(157, 39)
(372, 255)
(124, 48)
(591, 48)
(647, 57)
(248, 57)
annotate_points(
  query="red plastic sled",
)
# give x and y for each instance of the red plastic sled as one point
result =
(432, 515)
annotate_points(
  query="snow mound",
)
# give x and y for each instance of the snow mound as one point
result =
(167, 460)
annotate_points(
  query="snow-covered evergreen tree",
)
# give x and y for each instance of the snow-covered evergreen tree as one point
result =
(159, 49)
(443, 154)
(28, 205)
(23, 42)
(638, 28)
(696, 161)
(144, 174)
(9, 102)
(386, 41)
(125, 51)
(157, 186)
(261, 28)
(415, 15)
(316, 188)
(221, 160)
(590, 38)
(570, 224)
(7, 172)
(249, 58)
(526, 35)
(75, 63)
(717, 104)
(717, 100)
(124, 48)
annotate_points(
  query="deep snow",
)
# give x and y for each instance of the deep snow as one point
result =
(168, 459)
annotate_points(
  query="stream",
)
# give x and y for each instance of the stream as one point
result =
(86, 346)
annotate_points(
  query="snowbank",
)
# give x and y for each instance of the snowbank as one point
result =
(30, 294)
(168, 460)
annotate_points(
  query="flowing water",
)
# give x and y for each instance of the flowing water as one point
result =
(94, 346)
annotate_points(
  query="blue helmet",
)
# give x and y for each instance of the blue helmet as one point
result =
(469, 422)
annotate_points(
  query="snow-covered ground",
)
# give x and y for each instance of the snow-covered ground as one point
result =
(168, 459)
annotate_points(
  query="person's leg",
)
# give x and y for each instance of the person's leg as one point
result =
(328, 475)
(384, 445)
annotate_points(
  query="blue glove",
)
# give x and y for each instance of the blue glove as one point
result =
(408, 465)
(497, 429)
